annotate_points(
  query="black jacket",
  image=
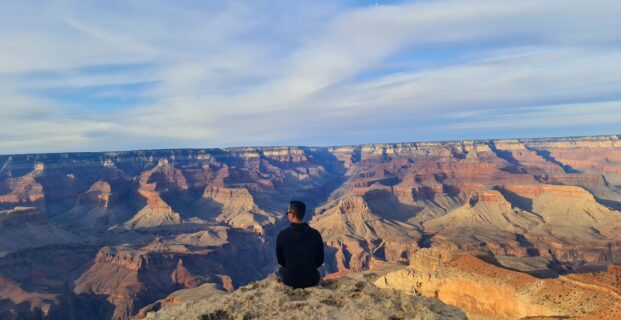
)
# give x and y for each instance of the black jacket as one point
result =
(299, 250)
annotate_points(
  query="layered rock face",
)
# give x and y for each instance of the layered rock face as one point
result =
(132, 277)
(24, 189)
(513, 197)
(143, 224)
(483, 290)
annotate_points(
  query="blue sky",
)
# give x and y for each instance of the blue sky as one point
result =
(122, 75)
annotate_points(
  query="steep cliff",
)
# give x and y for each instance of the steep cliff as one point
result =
(486, 291)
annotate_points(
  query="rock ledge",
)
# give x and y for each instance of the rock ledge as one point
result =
(343, 298)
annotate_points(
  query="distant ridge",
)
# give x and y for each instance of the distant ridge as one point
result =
(241, 148)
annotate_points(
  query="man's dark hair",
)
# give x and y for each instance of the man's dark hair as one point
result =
(298, 208)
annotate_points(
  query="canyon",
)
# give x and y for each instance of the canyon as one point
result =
(114, 235)
(478, 284)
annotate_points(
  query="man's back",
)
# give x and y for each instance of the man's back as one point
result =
(299, 250)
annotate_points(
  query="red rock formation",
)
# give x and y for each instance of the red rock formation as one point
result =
(529, 159)
(131, 278)
(22, 190)
(486, 291)
(357, 235)
(157, 212)
(533, 191)
(99, 193)
(234, 206)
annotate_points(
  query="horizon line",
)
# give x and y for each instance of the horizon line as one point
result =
(617, 135)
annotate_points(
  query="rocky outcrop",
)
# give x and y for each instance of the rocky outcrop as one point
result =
(599, 155)
(234, 206)
(180, 297)
(489, 219)
(24, 190)
(487, 209)
(556, 221)
(132, 277)
(97, 208)
(213, 237)
(157, 212)
(344, 298)
(524, 159)
(485, 291)
(570, 205)
(351, 217)
(355, 235)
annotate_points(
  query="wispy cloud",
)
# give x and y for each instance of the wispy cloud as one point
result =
(145, 74)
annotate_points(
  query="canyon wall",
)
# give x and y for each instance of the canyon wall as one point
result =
(472, 282)
(102, 235)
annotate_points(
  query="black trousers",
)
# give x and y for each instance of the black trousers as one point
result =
(305, 280)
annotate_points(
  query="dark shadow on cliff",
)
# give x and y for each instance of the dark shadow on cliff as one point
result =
(22, 311)
(335, 173)
(207, 209)
(387, 205)
(515, 166)
(78, 307)
(516, 200)
(548, 156)
(316, 196)
(616, 205)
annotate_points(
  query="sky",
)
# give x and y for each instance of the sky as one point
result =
(128, 74)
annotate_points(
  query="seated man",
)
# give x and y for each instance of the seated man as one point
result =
(299, 249)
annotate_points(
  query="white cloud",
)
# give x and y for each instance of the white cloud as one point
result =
(562, 115)
(240, 73)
